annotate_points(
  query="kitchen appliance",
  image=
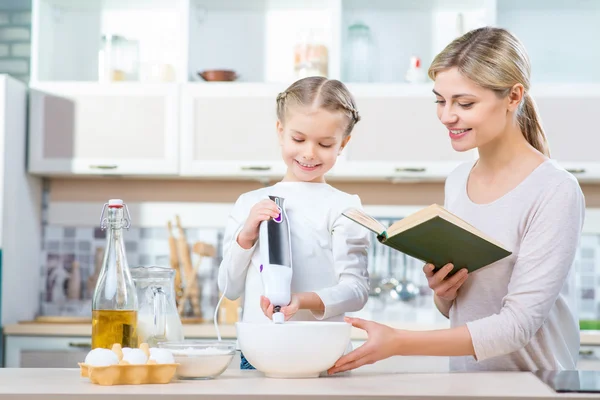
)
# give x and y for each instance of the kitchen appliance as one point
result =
(571, 381)
(276, 257)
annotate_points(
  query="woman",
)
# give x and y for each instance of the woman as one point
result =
(510, 315)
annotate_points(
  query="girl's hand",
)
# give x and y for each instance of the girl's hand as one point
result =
(445, 289)
(382, 342)
(261, 211)
(288, 311)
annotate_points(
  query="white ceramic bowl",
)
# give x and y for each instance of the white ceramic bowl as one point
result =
(293, 349)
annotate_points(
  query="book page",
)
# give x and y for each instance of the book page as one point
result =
(413, 219)
(365, 220)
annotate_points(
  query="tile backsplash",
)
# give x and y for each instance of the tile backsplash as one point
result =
(63, 245)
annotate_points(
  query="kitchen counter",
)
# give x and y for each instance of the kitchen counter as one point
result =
(190, 331)
(207, 331)
(54, 384)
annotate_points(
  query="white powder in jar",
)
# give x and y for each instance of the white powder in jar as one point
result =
(201, 363)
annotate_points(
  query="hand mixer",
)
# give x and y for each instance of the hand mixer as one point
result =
(276, 256)
(276, 268)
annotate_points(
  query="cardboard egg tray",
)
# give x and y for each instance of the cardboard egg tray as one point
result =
(129, 374)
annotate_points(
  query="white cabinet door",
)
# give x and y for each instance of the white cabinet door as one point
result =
(229, 131)
(87, 128)
(399, 136)
(569, 117)
(45, 351)
(589, 358)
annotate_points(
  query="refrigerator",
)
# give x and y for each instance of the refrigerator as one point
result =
(20, 212)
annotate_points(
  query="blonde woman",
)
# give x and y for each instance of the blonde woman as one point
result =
(510, 315)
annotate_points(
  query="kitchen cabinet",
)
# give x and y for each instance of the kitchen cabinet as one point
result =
(96, 129)
(589, 358)
(259, 38)
(399, 137)
(568, 117)
(45, 352)
(182, 127)
(549, 29)
(70, 40)
(229, 131)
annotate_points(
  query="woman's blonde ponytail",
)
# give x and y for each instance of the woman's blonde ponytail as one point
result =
(531, 125)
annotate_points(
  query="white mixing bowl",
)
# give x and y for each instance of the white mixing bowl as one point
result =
(293, 349)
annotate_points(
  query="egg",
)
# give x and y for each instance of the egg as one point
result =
(126, 350)
(135, 356)
(101, 358)
(161, 356)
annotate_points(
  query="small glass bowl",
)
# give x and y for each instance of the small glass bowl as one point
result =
(200, 359)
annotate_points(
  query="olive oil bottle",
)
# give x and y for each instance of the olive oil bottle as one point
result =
(115, 303)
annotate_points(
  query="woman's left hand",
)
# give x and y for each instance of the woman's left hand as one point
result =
(382, 343)
(288, 311)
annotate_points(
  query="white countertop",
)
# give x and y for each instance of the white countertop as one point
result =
(207, 331)
(190, 331)
(63, 384)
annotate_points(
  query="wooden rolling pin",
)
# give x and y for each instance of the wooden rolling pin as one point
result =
(174, 262)
(192, 291)
(186, 259)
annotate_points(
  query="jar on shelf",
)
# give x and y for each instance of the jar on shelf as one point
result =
(118, 59)
(360, 59)
(311, 56)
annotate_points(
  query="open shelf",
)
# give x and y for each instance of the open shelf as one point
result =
(257, 38)
(173, 40)
(68, 39)
(561, 37)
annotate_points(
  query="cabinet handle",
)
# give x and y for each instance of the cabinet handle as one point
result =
(576, 170)
(104, 166)
(81, 345)
(256, 168)
(586, 352)
(411, 169)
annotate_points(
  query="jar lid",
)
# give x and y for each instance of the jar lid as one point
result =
(117, 203)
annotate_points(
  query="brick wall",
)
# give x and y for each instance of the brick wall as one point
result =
(15, 38)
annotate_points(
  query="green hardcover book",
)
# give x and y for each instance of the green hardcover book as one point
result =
(435, 235)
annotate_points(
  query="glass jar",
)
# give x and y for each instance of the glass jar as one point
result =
(311, 56)
(118, 59)
(359, 62)
(158, 319)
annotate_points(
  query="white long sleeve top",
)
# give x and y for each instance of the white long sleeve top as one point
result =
(329, 251)
(515, 309)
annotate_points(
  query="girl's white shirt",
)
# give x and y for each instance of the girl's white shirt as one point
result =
(329, 251)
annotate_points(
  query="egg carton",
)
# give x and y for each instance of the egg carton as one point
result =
(129, 374)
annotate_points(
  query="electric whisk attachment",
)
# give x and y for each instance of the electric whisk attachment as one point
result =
(278, 316)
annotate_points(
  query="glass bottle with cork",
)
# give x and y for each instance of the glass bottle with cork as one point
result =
(115, 303)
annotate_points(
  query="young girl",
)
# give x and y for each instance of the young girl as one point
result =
(329, 252)
(510, 315)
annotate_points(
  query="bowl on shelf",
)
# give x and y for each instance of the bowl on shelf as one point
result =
(200, 359)
(218, 75)
(294, 349)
